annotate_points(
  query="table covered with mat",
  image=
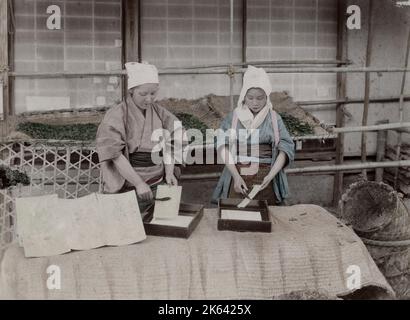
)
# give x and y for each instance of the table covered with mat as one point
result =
(308, 250)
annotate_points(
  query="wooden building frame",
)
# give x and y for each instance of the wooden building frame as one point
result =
(132, 50)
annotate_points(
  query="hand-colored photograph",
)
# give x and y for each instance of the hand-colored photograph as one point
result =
(220, 150)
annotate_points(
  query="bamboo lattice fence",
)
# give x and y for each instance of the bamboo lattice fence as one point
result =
(69, 169)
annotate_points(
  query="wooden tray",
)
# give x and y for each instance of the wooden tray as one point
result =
(245, 225)
(185, 209)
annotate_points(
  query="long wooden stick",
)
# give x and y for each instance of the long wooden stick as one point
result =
(401, 103)
(198, 72)
(341, 94)
(230, 68)
(380, 151)
(139, 30)
(375, 127)
(4, 62)
(270, 63)
(367, 86)
(244, 32)
(317, 103)
(316, 169)
(12, 37)
(345, 167)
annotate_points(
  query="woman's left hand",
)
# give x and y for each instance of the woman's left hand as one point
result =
(171, 180)
(266, 181)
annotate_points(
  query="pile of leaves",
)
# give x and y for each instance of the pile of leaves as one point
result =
(80, 132)
(87, 132)
(295, 126)
(191, 122)
(10, 178)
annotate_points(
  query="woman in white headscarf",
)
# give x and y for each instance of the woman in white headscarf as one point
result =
(255, 127)
(124, 143)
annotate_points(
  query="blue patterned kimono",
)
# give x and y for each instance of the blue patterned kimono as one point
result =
(266, 136)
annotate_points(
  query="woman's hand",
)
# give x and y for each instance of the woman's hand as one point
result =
(144, 191)
(267, 180)
(171, 179)
(277, 166)
(240, 185)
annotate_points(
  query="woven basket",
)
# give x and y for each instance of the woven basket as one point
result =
(379, 216)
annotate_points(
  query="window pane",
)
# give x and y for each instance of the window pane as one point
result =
(89, 40)
(180, 33)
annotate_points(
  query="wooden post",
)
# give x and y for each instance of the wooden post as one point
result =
(341, 94)
(4, 62)
(230, 73)
(11, 32)
(367, 85)
(131, 29)
(139, 29)
(244, 30)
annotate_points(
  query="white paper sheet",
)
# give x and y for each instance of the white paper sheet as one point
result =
(122, 218)
(50, 226)
(167, 209)
(41, 227)
(179, 221)
(255, 190)
(241, 215)
(27, 205)
(85, 225)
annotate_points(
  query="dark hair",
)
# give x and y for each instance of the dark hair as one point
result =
(256, 88)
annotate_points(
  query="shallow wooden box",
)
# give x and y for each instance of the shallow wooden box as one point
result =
(245, 225)
(185, 209)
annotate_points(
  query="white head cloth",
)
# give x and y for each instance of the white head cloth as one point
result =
(141, 73)
(253, 78)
